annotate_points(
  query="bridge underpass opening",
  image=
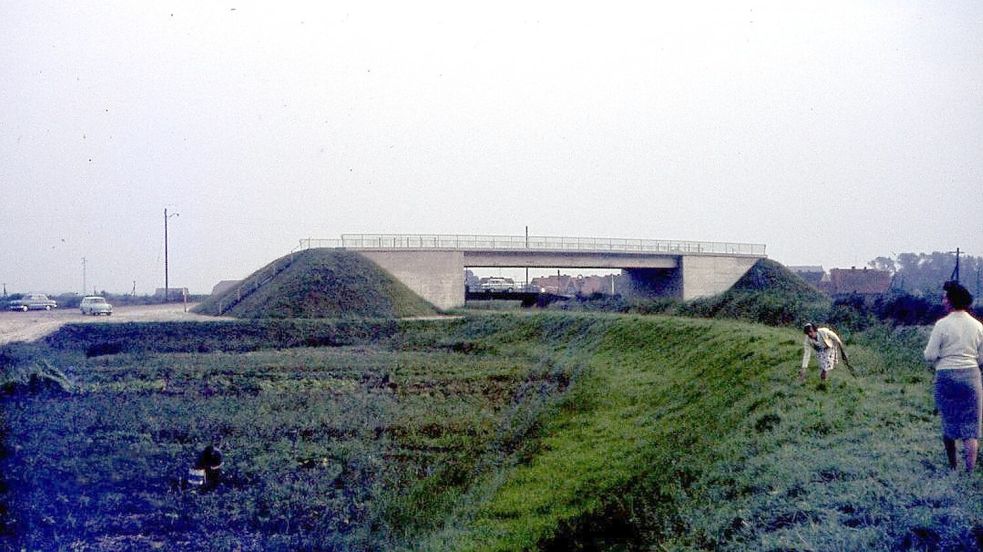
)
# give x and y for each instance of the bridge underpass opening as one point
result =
(571, 281)
(538, 286)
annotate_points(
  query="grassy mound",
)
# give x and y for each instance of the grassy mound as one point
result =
(319, 283)
(769, 275)
(769, 294)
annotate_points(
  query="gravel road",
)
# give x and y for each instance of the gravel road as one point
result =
(33, 325)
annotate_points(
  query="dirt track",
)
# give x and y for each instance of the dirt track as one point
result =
(32, 325)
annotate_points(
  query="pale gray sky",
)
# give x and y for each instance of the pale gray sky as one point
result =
(833, 132)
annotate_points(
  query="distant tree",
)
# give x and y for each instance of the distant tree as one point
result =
(884, 263)
(924, 274)
(471, 281)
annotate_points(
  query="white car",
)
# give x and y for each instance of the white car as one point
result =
(95, 305)
(497, 283)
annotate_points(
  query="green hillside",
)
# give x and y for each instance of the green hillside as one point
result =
(319, 283)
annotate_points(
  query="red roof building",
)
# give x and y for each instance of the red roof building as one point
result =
(862, 281)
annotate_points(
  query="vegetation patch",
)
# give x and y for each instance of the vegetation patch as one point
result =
(224, 335)
(319, 283)
(554, 431)
(688, 434)
(348, 447)
(37, 377)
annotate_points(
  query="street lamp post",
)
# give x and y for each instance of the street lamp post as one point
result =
(166, 279)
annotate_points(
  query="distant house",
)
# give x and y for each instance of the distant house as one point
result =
(574, 285)
(861, 281)
(608, 284)
(811, 274)
(224, 286)
(560, 284)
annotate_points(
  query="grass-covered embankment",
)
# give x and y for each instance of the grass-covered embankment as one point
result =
(691, 434)
(319, 283)
(232, 336)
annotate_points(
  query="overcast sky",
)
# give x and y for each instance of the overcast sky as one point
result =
(832, 132)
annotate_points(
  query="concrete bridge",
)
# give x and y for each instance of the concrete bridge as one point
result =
(433, 265)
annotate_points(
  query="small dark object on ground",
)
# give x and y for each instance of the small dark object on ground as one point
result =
(206, 474)
(767, 422)
(103, 349)
(921, 538)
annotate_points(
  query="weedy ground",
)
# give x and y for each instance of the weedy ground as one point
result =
(554, 431)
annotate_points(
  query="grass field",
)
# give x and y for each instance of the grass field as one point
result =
(553, 431)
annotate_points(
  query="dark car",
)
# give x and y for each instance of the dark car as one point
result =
(33, 301)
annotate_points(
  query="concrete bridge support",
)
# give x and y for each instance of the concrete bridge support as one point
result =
(706, 275)
(437, 276)
(695, 276)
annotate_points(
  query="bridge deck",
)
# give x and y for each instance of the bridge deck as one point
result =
(466, 242)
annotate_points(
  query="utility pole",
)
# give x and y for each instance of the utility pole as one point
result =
(979, 270)
(955, 272)
(166, 279)
(83, 276)
(526, 288)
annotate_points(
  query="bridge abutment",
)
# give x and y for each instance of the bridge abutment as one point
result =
(437, 276)
(706, 275)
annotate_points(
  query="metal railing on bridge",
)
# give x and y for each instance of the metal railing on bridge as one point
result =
(533, 243)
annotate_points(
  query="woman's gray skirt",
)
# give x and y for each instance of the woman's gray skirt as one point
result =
(959, 398)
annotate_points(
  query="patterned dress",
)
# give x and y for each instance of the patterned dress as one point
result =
(825, 355)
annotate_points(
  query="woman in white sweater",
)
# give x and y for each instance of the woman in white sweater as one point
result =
(955, 349)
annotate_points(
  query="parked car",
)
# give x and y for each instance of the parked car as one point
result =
(33, 301)
(95, 305)
(497, 283)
